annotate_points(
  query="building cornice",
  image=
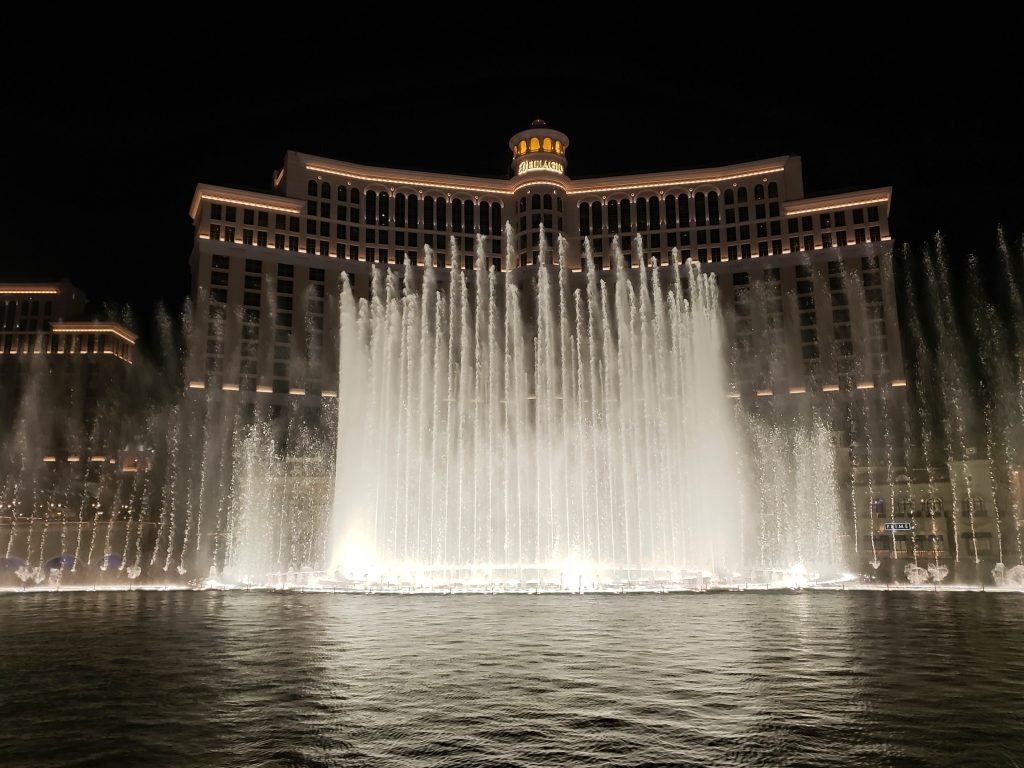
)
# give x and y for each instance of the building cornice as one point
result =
(238, 197)
(832, 202)
(89, 327)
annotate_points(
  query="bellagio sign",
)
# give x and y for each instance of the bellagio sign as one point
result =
(540, 165)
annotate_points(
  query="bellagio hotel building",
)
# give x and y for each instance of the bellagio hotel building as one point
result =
(806, 282)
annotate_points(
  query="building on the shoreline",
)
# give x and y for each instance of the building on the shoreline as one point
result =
(61, 375)
(807, 277)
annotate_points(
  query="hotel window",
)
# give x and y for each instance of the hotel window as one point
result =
(310, 246)
(251, 299)
(370, 209)
(641, 214)
(218, 278)
(794, 245)
(858, 235)
(293, 243)
(215, 231)
(253, 282)
(399, 210)
(325, 210)
(325, 229)
(584, 219)
(730, 198)
(230, 213)
(730, 215)
(699, 209)
(713, 216)
(247, 236)
(745, 251)
(625, 217)
(876, 234)
(745, 232)
(253, 265)
(219, 262)
(826, 239)
(759, 210)
(413, 211)
(311, 207)
(776, 228)
(873, 213)
(311, 188)
(841, 238)
(279, 242)
(744, 213)
(442, 215)
(310, 226)
(773, 189)
(730, 234)
(248, 216)
(325, 189)
(654, 212)
(759, 192)
(732, 251)
(858, 215)
(776, 247)
(293, 223)
(840, 218)
(218, 294)
(762, 249)
(809, 242)
(825, 220)
(741, 195)
(428, 212)
(383, 208)
(684, 211)
(762, 229)
(613, 216)
(215, 211)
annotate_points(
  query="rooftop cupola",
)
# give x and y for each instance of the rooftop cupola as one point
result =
(538, 149)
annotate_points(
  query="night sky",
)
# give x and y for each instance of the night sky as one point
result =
(108, 130)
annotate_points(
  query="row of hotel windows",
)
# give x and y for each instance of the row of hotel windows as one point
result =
(547, 144)
(24, 314)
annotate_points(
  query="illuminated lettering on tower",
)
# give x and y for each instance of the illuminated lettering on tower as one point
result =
(540, 165)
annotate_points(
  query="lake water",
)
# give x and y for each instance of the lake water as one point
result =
(732, 679)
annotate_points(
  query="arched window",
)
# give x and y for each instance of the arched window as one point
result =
(428, 213)
(625, 218)
(311, 188)
(773, 189)
(699, 209)
(613, 216)
(457, 215)
(713, 208)
(353, 196)
(535, 203)
(730, 198)
(485, 218)
(670, 211)
(741, 195)
(684, 211)
(547, 202)
(442, 214)
(382, 204)
(654, 212)
(584, 219)
(535, 144)
(595, 218)
(522, 205)
(522, 147)
(399, 210)
(558, 147)
(342, 193)
(496, 218)
(325, 190)
(547, 144)
(468, 215)
(558, 204)
(641, 214)
(759, 192)
(371, 208)
(413, 212)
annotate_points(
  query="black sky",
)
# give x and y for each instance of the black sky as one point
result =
(111, 122)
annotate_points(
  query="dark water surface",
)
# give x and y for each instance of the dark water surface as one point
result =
(226, 679)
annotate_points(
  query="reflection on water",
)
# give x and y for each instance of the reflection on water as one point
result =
(320, 680)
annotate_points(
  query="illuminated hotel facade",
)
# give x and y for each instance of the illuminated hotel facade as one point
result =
(809, 278)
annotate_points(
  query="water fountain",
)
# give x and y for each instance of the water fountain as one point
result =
(538, 430)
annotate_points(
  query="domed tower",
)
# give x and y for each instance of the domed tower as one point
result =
(538, 170)
(538, 149)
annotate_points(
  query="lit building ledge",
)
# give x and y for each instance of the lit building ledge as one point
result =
(196, 385)
(765, 393)
(263, 389)
(97, 458)
(296, 391)
(49, 459)
(73, 458)
(329, 393)
(16, 289)
(830, 388)
(866, 385)
(899, 382)
(230, 387)
(734, 395)
(797, 390)
(115, 328)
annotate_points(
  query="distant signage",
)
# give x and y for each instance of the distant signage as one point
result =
(899, 526)
(540, 165)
